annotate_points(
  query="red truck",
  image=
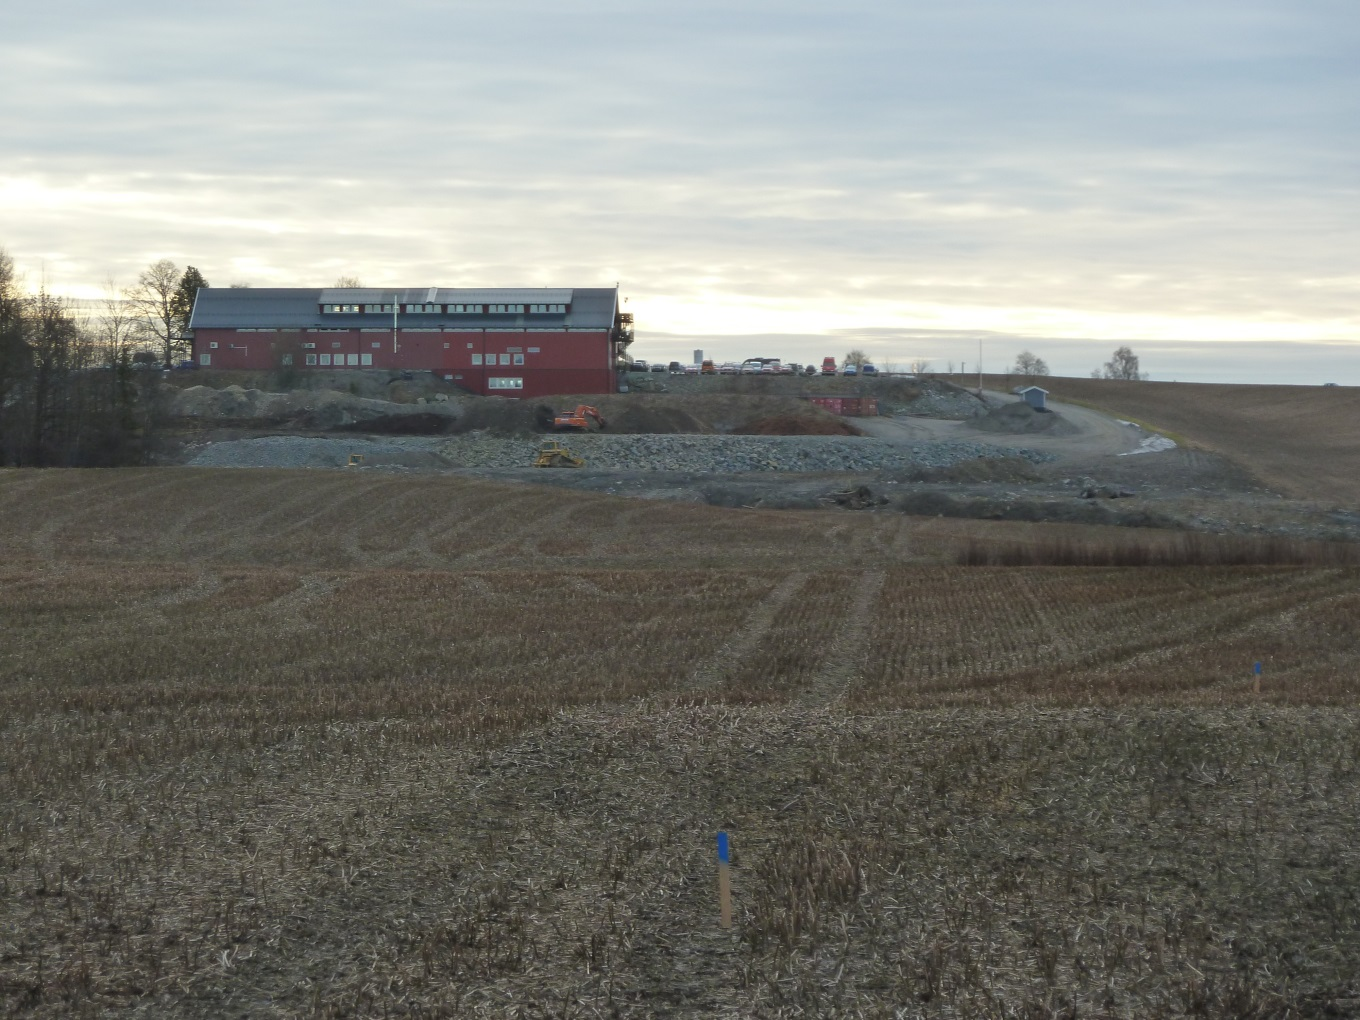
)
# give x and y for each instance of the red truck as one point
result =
(828, 366)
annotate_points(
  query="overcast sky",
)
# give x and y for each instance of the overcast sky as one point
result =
(779, 178)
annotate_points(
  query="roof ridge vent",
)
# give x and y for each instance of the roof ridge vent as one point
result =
(432, 296)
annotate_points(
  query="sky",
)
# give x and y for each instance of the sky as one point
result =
(784, 179)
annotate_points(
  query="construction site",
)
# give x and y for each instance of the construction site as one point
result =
(928, 445)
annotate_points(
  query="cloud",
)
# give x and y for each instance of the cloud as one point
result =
(1053, 169)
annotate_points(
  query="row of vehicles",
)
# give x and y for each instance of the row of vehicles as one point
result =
(754, 366)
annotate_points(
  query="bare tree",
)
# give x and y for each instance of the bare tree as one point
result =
(154, 297)
(240, 285)
(856, 358)
(15, 358)
(920, 366)
(1124, 365)
(117, 330)
(1028, 363)
(348, 281)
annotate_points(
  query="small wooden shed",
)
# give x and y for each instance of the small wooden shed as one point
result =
(1035, 396)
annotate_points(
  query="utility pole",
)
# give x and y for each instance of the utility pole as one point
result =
(979, 368)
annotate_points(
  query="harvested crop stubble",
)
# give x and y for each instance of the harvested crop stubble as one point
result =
(277, 744)
(1136, 863)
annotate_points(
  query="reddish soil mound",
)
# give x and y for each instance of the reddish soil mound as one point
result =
(798, 425)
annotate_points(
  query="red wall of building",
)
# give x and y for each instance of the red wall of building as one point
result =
(565, 361)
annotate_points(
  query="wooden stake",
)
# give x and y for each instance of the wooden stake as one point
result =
(724, 883)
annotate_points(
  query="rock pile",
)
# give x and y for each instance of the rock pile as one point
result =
(698, 453)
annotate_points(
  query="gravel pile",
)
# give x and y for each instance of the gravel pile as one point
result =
(939, 400)
(300, 451)
(698, 453)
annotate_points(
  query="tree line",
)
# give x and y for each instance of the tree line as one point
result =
(73, 389)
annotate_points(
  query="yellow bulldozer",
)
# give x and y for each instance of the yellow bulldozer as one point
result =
(553, 454)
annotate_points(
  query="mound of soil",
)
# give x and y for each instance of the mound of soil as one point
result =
(424, 424)
(798, 425)
(497, 414)
(1019, 419)
(643, 416)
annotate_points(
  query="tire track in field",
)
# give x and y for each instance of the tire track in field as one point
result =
(390, 508)
(44, 540)
(524, 542)
(233, 538)
(205, 585)
(846, 658)
(419, 539)
(242, 495)
(311, 588)
(151, 610)
(329, 508)
(728, 659)
(1275, 611)
(614, 531)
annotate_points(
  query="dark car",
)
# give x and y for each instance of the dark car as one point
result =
(676, 368)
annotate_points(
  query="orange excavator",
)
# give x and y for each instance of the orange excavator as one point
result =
(578, 420)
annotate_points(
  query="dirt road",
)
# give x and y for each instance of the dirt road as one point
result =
(1091, 436)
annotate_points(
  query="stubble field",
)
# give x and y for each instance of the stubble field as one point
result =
(319, 744)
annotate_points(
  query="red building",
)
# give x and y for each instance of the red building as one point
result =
(498, 342)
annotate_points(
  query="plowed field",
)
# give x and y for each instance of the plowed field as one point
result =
(292, 743)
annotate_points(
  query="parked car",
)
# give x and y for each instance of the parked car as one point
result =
(752, 366)
(867, 369)
(658, 367)
(708, 368)
(693, 369)
(638, 366)
(729, 368)
(828, 366)
(849, 370)
(810, 370)
(676, 368)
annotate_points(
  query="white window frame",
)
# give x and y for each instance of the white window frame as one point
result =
(311, 359)
(505, 383)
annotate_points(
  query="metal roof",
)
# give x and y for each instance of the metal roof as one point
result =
(444, 296)
(300, 307)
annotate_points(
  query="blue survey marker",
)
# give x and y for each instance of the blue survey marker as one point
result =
(1258, 669)
(722, 848)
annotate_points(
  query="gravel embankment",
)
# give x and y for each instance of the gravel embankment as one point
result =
(717, 453)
